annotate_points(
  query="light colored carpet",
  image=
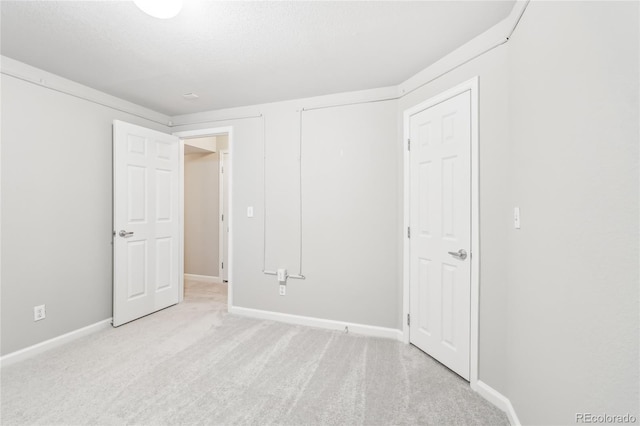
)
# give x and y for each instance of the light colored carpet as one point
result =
(195, 364)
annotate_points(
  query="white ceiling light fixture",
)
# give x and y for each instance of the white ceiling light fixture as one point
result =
(161, 9)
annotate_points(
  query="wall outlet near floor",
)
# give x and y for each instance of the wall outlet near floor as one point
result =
(39, 313)
(283, 289)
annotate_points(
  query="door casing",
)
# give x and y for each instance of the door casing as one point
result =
(222, 183)
(472, 86)
(217, 131)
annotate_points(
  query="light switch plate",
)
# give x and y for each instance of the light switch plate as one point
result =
(516, 217)
(250, 211)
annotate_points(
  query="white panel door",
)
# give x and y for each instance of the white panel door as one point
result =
(440, 220)
(224, 164)
(146, 266)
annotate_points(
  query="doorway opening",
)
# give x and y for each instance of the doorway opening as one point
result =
(206, 207)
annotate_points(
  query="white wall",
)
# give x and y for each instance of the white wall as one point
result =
(56, 211)
(206, 143)
(349, 179)
(201, 214)
(222, 142)
(572, 302)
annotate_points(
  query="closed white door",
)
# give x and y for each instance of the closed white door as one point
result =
(440, 240)
(224, 164)
(146, 223)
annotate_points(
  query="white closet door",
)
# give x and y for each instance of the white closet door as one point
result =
(440, 275)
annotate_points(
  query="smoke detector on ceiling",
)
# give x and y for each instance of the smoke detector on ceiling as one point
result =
(190, 96)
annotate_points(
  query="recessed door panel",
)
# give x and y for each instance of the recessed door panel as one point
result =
(449, 195)
(164, 254)
(137, 144)
(137, 271)
(448, 127)
(163, 150)
(164, 195)
(424, 275)
(425, 204)
(136, 193)
(424, 134)
(448, 282)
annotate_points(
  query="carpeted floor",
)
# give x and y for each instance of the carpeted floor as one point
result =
(195, 364)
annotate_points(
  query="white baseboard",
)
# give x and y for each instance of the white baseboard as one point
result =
(203, 278)
(38, 348)
(367, 330)
(497, 399)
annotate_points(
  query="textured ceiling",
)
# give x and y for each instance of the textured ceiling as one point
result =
(239, 53)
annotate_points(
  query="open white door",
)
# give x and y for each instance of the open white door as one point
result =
(146, 268)
(224, 169)
(440, 226)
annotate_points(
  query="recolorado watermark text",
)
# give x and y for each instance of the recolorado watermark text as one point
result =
(605, 418)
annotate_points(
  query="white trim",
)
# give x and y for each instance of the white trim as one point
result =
(41, 347)
(406, 246)
(221, 212)
(472, 86)
(230, 209)
(226, 115)
(493, 37)
(203, 278)
(497, 399)
(190, 134)
(475, 254)
(363, 329)
(181, 219)
(228, 130)
(33, 75)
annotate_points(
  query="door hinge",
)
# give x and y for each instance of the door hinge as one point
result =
(408, 232)
(408, 144)
(222, 265)
(221, 169)
(223, 218)
(409, 319)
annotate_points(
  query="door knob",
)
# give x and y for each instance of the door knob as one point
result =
(125, 234)
(460, 254)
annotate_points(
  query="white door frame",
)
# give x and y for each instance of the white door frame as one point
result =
(221, 211)
(474, 257)
(216, 131)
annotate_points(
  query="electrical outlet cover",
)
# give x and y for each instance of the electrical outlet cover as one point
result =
(39, 312)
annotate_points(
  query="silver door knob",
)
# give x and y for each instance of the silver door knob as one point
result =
(460, 254)
(125, 234)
